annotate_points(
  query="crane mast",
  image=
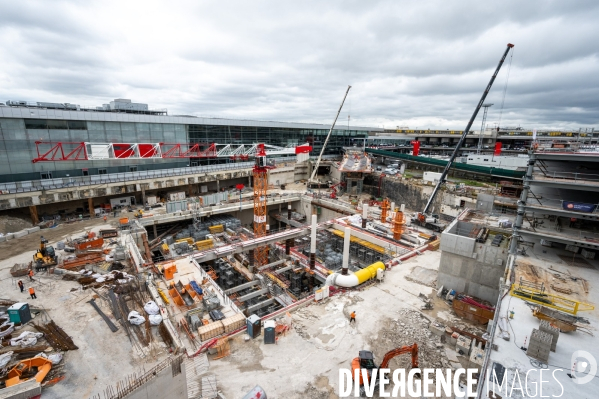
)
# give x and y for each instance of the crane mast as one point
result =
(465, 133)
(327, 139)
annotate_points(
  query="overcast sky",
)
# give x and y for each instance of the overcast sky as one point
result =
(420, 64)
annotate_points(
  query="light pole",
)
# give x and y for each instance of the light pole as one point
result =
(482, 128)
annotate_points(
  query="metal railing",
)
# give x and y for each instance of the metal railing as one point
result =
(566, 177)
(68, 182)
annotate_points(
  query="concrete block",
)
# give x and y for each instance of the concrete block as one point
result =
(453, 339)
(437, 329)
(33, 229)
(9, 236)
(2, 238)
(546, 327)
(20, 234)
(463, 345)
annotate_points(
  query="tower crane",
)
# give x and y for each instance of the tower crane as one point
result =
(424, 218)
(260, 175)
(315, 171)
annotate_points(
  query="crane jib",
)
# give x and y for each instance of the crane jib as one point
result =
(465, 133)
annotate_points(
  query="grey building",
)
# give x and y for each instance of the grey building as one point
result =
(23, 124)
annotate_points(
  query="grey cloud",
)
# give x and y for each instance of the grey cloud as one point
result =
(421, 64)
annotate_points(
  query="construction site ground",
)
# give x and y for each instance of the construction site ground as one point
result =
(568, 275)
(305, 362)
(103, 357)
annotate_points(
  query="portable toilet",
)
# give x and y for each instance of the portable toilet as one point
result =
(269, 332)
(254, 326)
(19, 313)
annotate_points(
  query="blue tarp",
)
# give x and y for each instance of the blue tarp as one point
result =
(196, 287)
(578, 206)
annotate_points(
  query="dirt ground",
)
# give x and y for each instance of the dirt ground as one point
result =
(12, 223)
(31, 242)
(103, 357)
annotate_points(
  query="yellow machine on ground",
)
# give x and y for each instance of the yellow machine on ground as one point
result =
(45, 256)
(139, 214)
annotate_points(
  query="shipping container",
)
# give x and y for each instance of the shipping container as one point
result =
(176, 196)
(152, 200)
(122, 202)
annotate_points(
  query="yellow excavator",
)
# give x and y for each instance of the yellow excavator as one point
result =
(365, 360)
(45, 256)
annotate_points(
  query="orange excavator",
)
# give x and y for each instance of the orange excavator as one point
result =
(365, 360)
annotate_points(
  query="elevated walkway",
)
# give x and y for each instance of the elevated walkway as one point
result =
(481, 170)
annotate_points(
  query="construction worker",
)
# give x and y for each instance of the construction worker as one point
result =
(352, 317)
(21, 285)
(31, 275)
(32, 293)
(104, 218)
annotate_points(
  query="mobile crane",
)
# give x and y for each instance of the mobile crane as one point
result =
(365, 360)
(424, 218)
(312, 182)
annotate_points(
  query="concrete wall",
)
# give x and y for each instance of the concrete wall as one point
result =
(484, 202)
(470, 267)
(414, 196)
(164, 385)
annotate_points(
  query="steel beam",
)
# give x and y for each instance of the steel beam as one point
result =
(241, 287)
(252, 295)
(260, 305)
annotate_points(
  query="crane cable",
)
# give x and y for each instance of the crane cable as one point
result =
(505, 88)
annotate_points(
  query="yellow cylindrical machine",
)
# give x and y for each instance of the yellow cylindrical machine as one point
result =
(369, 272)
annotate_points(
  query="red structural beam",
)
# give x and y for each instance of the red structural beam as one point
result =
(57, 152)
(188, 151)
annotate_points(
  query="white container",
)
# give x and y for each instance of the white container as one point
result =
(151, 199)
(176, 196)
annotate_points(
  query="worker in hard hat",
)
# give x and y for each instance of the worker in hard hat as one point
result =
(352, 317)
(32, 293)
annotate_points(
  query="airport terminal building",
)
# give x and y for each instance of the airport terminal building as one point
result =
(54, 133)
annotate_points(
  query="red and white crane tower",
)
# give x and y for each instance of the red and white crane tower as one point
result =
(260, 192)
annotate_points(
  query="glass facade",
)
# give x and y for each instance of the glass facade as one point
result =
(18, 148)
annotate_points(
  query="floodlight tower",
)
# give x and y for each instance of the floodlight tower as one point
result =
(260, 173)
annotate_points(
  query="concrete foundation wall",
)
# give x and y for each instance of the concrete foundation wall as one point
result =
(470, 276)
(414, 196)
(468, 266)
(164, 385)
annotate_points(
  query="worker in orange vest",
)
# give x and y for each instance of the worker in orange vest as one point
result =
(32, 293)
(31, 275)
(104, 218)
(352, 317)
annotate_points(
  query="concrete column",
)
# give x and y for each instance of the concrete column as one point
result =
(289, 215)
(33, 212)
(364, 215)
(346, 244)
(218, 185)
(313, 243)
(251, 259)
(155, 231)
(90, 203)
(521, 203)
(143, 196)
(287, 247)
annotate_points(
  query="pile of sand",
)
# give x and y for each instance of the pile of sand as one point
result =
(11, 224)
